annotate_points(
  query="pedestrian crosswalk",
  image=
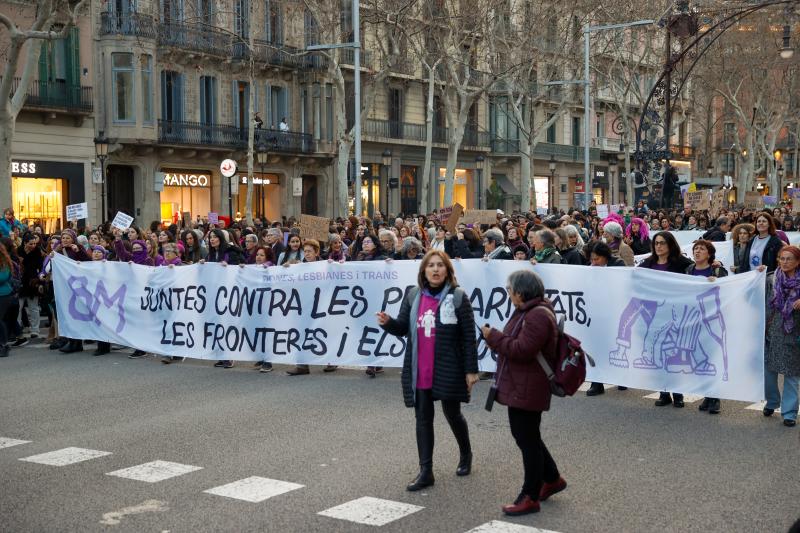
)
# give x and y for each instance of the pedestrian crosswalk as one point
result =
(366, 510)
(65, 456)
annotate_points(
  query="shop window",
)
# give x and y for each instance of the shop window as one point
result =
(462, 187)
(147, 88)
(408, 189)
(39, 201)
(122, 87)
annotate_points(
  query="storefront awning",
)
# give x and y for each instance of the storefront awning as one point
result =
(506, 184)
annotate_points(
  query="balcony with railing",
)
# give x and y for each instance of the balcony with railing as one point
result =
(231, 137)
(390, 129)
(347, 57)
(274, 54)
(543, 150)
(128, 24)
(195, 37)
(56, 96)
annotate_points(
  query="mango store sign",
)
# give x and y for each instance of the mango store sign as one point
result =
(186, 180)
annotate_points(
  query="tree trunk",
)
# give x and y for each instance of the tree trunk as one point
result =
(251, 133)
(453, 146)
(426, 166)
(526, 169)
(7, 127)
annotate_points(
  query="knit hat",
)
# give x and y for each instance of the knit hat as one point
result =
(71, 233)
(614, 229)
(98, 248)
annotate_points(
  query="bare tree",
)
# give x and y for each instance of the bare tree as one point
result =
(51, 20)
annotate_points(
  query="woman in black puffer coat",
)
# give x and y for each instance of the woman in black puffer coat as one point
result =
(441, 358)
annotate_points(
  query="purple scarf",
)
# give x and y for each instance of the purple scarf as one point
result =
(785, 293)
(140, 257)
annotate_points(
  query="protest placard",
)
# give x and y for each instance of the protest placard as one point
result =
(213, 218)
(77, 212)
(449, 216)
(602, 211)
(122, 221)
(770, 201)
(697, 200)
(753, 200)
(719, 201)
(312, 227)
(480, 216)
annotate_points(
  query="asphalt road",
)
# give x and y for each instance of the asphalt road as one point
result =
(341, 437)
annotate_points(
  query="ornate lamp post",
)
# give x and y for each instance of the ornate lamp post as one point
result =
(480, 162)
(262, 155)
(101, 151)
(552, 166)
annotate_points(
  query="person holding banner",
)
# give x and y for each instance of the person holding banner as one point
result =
(193, 249)
(704, 254)
(667, 257)
(441, 358)
(741, 236)
(763, 248)
(523, 387)
(69, 247)
(782, 350)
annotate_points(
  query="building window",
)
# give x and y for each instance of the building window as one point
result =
(171, 10)
(729, 134)
(122, 87)
(205, 10)
(729, 163)
(329, 110)
(346, 20)
(171, 96)
(395, 113)
(208, 100)
(274, 29)
(600, 132)
(147, 88)
(576, 131)
(551, 130)
(241, 18)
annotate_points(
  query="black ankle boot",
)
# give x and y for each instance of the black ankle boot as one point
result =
(72, 346)
(464, 464)
(423, 479)
(102, 348)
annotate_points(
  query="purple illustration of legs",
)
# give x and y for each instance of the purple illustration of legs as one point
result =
(711, 310)
(680, 343)
(636, 308)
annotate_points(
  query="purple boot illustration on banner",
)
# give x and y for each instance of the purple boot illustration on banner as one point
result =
(680, 345)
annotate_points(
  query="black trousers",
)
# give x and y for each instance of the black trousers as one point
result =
(5, 305)
(423, 409)
(536, 459)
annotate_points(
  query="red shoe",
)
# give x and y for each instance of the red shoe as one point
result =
(523, 505)
(548, 489)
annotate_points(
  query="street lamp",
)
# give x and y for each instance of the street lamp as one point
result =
(101, 151)
(480, 161)
(262, 154)
(587, 130)
(386, 159)
(612, 170)
(786, 50)
(710, 169)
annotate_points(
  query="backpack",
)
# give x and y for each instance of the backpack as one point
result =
(570, 371)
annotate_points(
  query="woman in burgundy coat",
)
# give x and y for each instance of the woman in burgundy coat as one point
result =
(522, 385)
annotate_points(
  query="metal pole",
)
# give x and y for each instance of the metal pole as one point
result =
(103, 188)
(357, 104)
(587, 180)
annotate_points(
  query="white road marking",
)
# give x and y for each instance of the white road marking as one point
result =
(154, 471)
(371, 511)
(8, 443)
(149, 506)
(65, 456)
(254, 489)
(759, 406)
(496, 526)
(687, 398)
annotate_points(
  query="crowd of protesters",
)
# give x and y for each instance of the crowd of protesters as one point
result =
(575, 238)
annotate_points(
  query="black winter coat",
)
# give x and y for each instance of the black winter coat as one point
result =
(31, 266)
(571, 256)
(455, 350)
(639, 246)
(769, 258)
(714, 235)
(678, 265)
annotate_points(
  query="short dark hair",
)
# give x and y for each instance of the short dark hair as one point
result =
(708, 246)
(601, 249)
(527, 284)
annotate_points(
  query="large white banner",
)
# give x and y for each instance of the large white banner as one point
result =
(645, 329)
